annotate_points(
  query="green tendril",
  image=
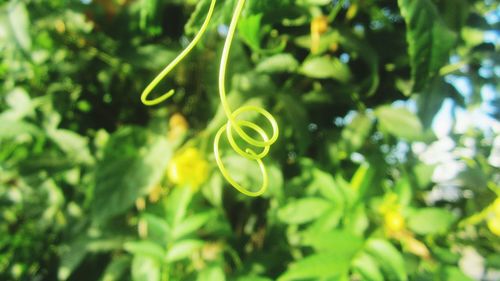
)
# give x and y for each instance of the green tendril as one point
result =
(233, 124)
(147, 91)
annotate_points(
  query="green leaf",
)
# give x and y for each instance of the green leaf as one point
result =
(20, 104)
(329, 220)
(72, 144)
(423, 174)
(145, 248)
(493, 260)
(446, 256)
(134, 162)
(354, 135)
(455, 13)
(325, 184)
(399, 122)
(404, 191)
(177, 206)
(430, 221)
(278, 63)
(11, 129)
(303, 210)
(367, 267)
(158, 228)
(145, 268)
(183, 249)
(362, 179)
(359, 46)
(210, 273)
(342, 242)
(388, 257)
(318, 266)
(431, 99)
(272, 11)
(249, 30)
(294, 114)
(192, 224)
(19, 23)
(212, 189)
(314, 2)
(429, 40)
(325, 42)
(253, 278)
(356, 220)
(451, 273)
(116, 269)
(275, 173)
(326, 67)
(71, 257)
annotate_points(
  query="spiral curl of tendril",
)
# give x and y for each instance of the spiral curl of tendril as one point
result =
(147, 91)
(233, 124)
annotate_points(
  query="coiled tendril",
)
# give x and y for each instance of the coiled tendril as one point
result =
(233, 124)
(237, 125)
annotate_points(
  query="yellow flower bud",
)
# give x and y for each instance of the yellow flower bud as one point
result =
(319, 25)
(178, 126)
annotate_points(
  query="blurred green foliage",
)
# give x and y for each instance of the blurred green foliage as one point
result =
(95, 186)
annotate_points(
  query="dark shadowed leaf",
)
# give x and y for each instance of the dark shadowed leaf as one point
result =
(429, 40)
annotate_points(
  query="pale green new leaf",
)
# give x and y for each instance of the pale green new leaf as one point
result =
(368, 267)
(145, 268)
(183, 249)
(430, 221)
(212, 273)
(303, 210)
(116, 269)
(318, 266)
(399, 122)
(388, 257)
(145, 248)
(278, 63)
(326, 67)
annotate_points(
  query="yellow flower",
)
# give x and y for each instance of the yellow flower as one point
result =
(394, 222)
(494, 221)
(188, 168)
(496, 207)
(494, 225)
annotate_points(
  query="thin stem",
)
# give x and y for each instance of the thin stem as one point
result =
(174, 63)
(333, 14)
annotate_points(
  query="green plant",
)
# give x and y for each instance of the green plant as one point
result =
(361, 184)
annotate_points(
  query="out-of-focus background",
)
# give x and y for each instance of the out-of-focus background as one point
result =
(387, 166)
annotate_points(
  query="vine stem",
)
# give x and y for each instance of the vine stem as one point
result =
(264, 142)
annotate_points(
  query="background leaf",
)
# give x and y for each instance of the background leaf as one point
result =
(399, 122)
(140, 158)
(429, 40)
(430, 221)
